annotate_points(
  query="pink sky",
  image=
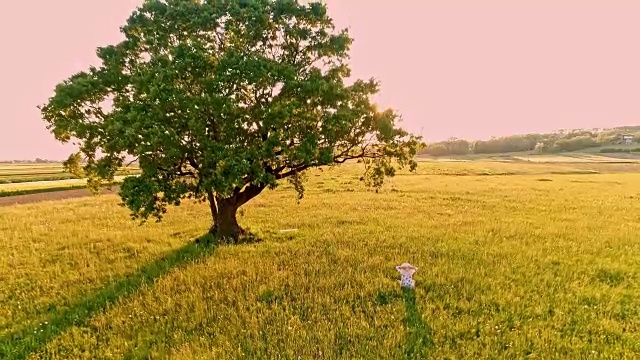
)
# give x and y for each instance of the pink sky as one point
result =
(464, 68)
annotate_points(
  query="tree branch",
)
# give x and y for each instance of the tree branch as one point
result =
(249, 192)
(294, 170)
(132, 161)
(338, 159)
(178, 169)
(193, 163)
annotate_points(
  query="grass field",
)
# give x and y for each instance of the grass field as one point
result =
(541, 264)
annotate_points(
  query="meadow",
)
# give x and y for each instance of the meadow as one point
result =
(515, 260)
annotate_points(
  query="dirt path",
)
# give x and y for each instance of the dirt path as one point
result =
(50, 196)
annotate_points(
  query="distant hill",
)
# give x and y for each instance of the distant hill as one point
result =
(609, 140)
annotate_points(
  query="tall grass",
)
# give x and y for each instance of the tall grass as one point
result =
(509, 267)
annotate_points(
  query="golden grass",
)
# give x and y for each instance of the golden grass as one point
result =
(536, 265)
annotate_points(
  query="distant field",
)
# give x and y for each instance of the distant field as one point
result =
(576, 158)
(25, 173)
(567, 157)
(520, 167)
(44, 187)
(540, 263)
(36, 190)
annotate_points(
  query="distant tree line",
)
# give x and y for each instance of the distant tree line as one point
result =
(35, 161)
(559, 141)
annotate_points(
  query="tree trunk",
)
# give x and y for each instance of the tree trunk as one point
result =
(227, 226)
(223, 212)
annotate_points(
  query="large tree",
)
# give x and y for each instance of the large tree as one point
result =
(220, 99)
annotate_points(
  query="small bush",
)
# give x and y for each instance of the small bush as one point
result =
(610, 277)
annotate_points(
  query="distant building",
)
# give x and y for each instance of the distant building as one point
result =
(627, 139)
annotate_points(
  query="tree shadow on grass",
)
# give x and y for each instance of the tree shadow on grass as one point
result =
(419, 338)
(23, 342)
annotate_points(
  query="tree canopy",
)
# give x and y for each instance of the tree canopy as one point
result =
(220, 99)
